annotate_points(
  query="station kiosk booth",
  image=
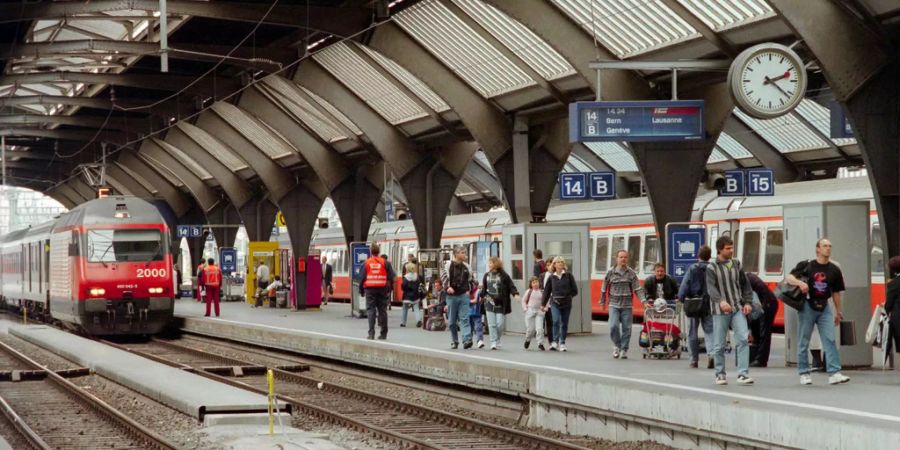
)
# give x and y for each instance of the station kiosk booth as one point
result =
(571, 242)
(257, 252)
(846, 225)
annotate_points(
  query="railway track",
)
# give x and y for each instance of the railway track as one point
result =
(50, 412)
(393, 420)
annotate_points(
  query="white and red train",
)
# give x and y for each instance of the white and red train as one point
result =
(755, 223)
(104, 267)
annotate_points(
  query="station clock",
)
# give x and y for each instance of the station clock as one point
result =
(767, 80)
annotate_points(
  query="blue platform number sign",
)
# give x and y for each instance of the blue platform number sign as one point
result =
(734, 184)
(602, 185)
(760, 182)
(196, 231)
(573, 186)
(684, 241)
(228, 259)
(360, 253)
(182, 231)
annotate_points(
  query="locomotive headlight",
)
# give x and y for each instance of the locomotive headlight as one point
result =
(97, 292)
(156, 290)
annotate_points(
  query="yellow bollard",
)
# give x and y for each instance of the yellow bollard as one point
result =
(270, 378)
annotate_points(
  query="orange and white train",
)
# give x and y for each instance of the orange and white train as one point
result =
(755, 223)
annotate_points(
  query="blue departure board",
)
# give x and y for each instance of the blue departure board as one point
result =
(675, 120)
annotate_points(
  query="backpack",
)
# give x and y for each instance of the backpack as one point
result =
(696, 302)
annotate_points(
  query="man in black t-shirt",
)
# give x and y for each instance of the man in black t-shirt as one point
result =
(820, 279)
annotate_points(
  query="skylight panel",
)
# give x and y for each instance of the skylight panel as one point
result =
(786, 133)
(614, 155)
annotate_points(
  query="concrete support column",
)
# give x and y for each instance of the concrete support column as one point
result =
(225, 214)
(300, 208)
(258, 215)
(356, 200)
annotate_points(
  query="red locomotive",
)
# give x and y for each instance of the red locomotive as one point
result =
(105, 267)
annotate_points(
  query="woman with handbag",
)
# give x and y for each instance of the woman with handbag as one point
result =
(498, 288)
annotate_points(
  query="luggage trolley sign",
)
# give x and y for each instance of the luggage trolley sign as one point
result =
(360, 253)
(228, 260)
(674, 120)
(683, 241)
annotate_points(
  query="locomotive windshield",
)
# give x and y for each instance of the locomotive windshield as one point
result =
(138, 245)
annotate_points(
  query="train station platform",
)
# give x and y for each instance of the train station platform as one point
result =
(587, 392)
(189, 393)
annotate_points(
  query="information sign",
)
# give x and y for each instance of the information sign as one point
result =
(188, 231)
(735, 185)
(674, 120)
(360, 253)
(683, 242)
(602, 185)
(840, 125)
(573, 186)
(760, 182)
(228, 259)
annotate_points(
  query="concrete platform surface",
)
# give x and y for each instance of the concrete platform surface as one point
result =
(245, 437)
(776, 409)
(186, 392)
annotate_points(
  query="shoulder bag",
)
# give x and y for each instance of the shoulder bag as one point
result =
(792, 295)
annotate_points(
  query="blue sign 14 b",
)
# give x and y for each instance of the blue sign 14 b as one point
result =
(750, 182)
(188, 231)
(582, 186)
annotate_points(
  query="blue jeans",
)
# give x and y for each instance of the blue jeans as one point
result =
(620, 327)
(495, 325)
(477, 326)
(694, 336)
(406, 307)
(458, 312)
(737, 321)
(560, 322)
(824, 321)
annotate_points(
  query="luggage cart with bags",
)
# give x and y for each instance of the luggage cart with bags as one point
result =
(661, 332)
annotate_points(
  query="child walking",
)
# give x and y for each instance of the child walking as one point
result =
(534, 313)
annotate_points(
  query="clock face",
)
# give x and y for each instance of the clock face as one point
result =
(768, 81)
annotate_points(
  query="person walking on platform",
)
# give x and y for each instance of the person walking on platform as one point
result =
(821, 280)
(620, 284)
(476, 322)
(558, 294)
(693, 286)
(892, 299)
(211, 279)
(548, 318)
(457, 277)
(413, 290)
(199, 274)
(534, 313)
(661, 285)
(730, 301)
(497, 293)
(375, 284)
(327, 287)
(539, 265)
(761, 328)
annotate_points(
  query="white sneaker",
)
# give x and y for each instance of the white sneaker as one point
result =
(480, 344)
(805, 379)
(623, 355)
(616, 353)
(493, 346)
(745, 380)
(499, 345)
(562, 348)
(553, 346)
(838, 378)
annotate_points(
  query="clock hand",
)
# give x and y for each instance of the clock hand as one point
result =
(773, 83)
(780, 77)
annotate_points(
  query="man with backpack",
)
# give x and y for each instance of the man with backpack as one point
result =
(693, 291)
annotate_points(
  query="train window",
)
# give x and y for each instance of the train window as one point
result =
(601, 249)
(618, 243)
(651, 252)
(774, 251)
(125, 245)
(750, 257)
(634, 251)
(877, 253)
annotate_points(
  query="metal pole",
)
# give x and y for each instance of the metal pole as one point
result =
(163, 37)
(674, 84)
(599, 85)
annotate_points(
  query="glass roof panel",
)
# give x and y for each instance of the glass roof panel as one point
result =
(820, 117)
(215, 147)
(182, 157)
(579, 164)
(288, 96)
(333, 111)
(259, 135)
(629, 27)
(461, 49)
(724, 14)
(368, 84)
(161, 169)
(409, 80)
(614, 155)
(716, 157)
(786, 133)
(519, 39)
(732, 147)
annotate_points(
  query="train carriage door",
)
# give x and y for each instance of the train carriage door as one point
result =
(46, 270)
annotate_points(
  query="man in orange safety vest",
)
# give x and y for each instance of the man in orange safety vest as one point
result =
(211, 279)
(376, 284)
